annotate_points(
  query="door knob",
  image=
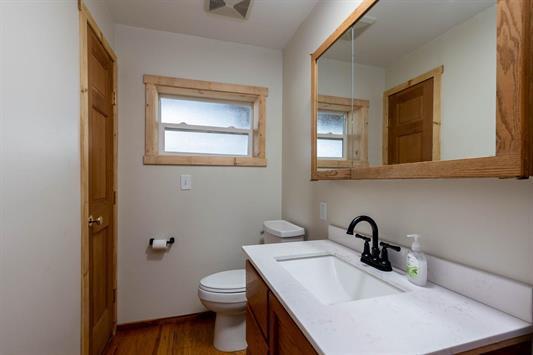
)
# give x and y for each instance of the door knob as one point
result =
(97, 221)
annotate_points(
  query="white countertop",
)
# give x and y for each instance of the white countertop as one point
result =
(421, 320)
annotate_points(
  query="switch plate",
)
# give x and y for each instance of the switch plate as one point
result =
(324, 211)
(185, 182)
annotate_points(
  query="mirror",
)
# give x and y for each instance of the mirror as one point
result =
(410, 81)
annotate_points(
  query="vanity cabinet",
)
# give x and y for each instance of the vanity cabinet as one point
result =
(269, 328)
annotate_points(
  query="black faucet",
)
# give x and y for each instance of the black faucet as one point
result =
(373, 257)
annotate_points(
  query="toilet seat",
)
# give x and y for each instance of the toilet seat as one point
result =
(224, 287)
(219, 297)
(231, 281)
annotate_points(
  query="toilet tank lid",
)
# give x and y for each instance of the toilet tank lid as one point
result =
(283, 229)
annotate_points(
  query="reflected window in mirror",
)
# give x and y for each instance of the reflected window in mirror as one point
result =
(331, 130)
(341, 119)
(341, 132)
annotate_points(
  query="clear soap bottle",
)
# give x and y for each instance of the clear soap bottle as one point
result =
(417, 266)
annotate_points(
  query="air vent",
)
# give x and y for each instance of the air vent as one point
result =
(230, 8)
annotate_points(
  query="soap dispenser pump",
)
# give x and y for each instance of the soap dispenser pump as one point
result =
(417, 269)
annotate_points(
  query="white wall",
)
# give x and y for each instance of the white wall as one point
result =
(39, 177)
(39, 186)
(335, 78)
(482, 223)
(468, 99)
(227, 205)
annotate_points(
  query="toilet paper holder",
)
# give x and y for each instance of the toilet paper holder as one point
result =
(169, 241)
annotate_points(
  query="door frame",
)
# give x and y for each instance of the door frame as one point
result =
(87, 21)
(436, 74)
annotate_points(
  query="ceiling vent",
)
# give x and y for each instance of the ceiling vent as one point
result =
(231, 8)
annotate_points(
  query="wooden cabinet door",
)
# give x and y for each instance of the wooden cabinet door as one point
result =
(256, 342)
(284, 335)
(257, 296)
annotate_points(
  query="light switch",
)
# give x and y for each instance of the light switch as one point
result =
(185, 182)
(324, 211)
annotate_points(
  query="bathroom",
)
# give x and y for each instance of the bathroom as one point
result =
(471, 203)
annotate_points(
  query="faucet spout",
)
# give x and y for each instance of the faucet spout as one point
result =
(375, 234)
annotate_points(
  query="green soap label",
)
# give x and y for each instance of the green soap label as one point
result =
(412, 271)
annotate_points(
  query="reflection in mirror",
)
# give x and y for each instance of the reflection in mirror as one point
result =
(411, 81)
(341, 119)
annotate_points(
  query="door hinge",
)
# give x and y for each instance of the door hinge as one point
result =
(114, 295)
(114, 99)
(114, 197)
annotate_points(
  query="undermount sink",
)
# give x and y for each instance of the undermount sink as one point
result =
(332, 280)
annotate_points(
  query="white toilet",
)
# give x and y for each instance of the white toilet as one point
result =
(225, 292)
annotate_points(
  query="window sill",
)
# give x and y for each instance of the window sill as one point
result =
(203, 160)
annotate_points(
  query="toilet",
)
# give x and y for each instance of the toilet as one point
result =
(225, 292)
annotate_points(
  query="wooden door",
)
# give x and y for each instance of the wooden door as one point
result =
(410, 126)
(101, 194)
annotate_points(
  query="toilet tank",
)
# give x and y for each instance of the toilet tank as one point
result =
(280, 231)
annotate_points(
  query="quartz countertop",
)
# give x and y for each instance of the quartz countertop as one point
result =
(420, 320)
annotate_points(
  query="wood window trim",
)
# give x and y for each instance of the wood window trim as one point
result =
(87, 21)
(157, 85)
(436, 75)
(353, 107)
(514, 121)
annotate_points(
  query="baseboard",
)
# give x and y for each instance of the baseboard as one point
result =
(166, 320)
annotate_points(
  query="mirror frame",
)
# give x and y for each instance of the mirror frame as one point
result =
(514, 107)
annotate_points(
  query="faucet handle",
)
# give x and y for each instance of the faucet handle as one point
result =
(389, 246)
(366, 248)
(360, 236)
(384, 259)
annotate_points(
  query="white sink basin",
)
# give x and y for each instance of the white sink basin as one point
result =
(332, 280)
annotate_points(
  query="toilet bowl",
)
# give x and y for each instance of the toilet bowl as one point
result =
(225, 294)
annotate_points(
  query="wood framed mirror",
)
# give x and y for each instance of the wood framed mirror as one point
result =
(425, 89)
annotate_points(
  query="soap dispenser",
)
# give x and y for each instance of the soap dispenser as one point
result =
(417, 266)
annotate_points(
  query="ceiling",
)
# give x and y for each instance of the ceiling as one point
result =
(270, 23)
(398, 27)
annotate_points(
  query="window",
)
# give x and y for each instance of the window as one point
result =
(205, 126)
(190, 122)
(331, 130)
(342, 139)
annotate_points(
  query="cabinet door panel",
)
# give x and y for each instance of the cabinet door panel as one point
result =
(256, 343)
(284, 335)
(257, 296)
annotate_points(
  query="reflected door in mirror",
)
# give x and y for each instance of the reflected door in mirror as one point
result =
(410, 124)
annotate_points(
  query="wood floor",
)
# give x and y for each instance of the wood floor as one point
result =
(189, 337)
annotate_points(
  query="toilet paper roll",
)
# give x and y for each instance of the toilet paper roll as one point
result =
(159, 244)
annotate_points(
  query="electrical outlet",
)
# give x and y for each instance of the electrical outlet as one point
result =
(324, 211)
